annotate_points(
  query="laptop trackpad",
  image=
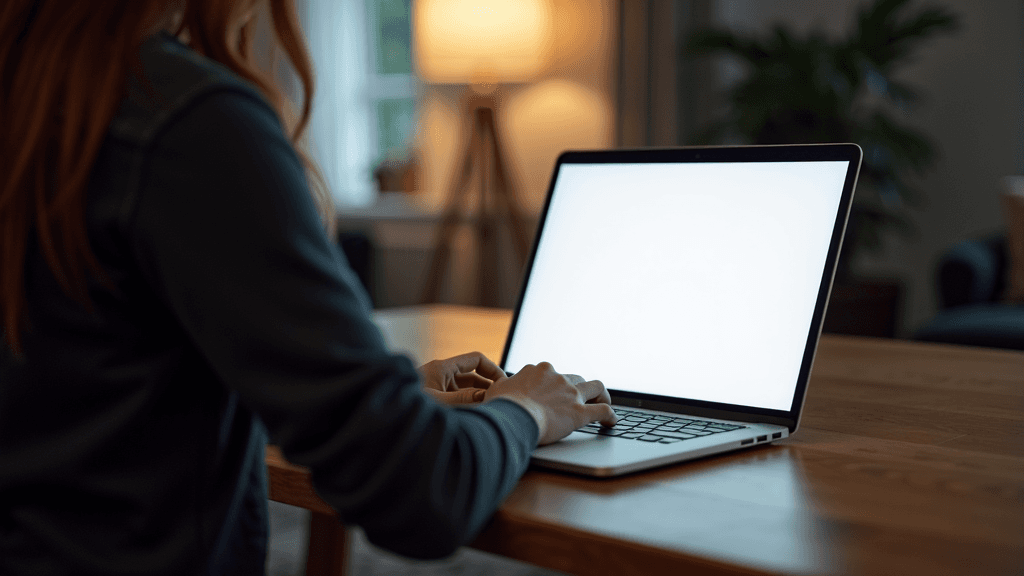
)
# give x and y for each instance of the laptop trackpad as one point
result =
(595, 450)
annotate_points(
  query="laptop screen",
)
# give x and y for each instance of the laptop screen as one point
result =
(681, 279)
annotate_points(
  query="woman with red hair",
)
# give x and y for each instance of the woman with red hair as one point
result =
(169, 296)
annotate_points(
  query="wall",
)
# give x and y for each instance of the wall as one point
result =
(973, 109)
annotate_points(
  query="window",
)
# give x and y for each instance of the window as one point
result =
(365, 107)
(392, 86)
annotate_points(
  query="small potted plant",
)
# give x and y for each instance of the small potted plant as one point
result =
(810, 89)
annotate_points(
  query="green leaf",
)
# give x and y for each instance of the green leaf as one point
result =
(812, 88)
(908, 146)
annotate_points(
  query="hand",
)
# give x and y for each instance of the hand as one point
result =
(461, 379)
(560, 403)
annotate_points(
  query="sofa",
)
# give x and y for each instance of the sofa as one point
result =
(972, 278)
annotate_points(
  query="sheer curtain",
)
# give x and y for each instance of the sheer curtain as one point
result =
(343, 139)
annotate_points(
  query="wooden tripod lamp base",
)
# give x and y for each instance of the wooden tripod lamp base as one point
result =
(496, 204)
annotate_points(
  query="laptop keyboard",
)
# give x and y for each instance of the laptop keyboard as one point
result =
(658, 428)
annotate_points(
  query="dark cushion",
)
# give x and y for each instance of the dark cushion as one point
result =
(972, 271)
(992, 325)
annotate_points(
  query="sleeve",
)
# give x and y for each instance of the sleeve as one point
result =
(227, 234)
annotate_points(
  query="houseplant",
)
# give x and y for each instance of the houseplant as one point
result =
(813, 88)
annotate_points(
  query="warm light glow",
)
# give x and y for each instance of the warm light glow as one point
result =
(548, 118)
(481, 41)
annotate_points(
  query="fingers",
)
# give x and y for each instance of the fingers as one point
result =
(477, 362)
(471, 380)
(466, 396)
(433, 375)
(602, 413)
(594, 392)
(598, 402)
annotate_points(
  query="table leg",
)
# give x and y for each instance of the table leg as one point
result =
(328, 542)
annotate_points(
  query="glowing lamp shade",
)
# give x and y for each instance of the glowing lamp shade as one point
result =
(481, 41)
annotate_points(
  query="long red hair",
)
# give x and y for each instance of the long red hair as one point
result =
(63, 74)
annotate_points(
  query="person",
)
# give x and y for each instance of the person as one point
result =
(170, 299)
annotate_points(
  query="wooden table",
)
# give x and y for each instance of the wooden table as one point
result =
(909, 460)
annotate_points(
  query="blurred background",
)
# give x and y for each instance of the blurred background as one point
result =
(933, 90)
(420, 101)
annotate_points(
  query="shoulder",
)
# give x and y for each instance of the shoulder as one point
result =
(169, 80)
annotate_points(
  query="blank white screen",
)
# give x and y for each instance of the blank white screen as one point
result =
(688, 280)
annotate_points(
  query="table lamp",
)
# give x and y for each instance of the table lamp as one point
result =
(484, 46)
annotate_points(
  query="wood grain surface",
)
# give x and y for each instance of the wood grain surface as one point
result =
(909, 460)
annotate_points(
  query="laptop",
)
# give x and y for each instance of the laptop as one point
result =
(693, 283)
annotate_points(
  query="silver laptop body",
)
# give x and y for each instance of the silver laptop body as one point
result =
(693, 282)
